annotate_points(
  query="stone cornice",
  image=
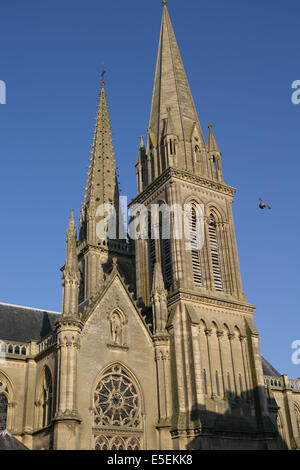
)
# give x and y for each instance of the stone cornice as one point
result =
(69, 321)
(182, 175)
(186, 295)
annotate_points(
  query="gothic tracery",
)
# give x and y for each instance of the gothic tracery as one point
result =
(117, 407)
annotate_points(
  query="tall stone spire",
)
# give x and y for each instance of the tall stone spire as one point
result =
(102, 184)
(171, 87)
(100, 210)
(174, 130)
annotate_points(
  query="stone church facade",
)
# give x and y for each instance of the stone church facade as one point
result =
(156, 346)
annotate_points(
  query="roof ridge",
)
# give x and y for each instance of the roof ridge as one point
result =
(30, 308)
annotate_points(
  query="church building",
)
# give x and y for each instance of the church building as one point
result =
(156, 345)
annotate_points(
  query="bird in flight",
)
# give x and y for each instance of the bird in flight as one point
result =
(263, 205)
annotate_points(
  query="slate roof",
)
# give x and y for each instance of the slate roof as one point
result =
(23, 324)
(268, 369)
(9, 442)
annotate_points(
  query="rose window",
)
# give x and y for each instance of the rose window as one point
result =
(116, 400)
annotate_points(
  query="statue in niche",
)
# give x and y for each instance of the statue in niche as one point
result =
(116, 329)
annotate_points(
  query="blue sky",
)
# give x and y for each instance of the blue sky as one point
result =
(241, 58)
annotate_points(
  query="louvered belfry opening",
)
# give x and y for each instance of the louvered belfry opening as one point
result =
(214, 250)
(165, 248)
(151, 246)
(197, 274)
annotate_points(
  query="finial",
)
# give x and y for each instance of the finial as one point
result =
(210, 126)
(164, 3)
(71, 221)
(142, 141)
(103, 72)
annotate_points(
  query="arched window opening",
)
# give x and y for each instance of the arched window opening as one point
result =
(44, 400)
(152, 167)
(215, 163)
(151, 247)
(3, 411)
(117, 407)
(214, 250)
(117, 443)
(165, 246)
(197, 274)
(47, 398)
(172, 147)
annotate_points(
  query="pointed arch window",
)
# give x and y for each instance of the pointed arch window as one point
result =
(151, 249)
(47, 397)
(44, 401)
(215, 255)
(165, 246)
(196, 265)
(117, 411)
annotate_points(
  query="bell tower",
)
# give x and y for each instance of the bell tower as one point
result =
(177, 167)
(209, 336)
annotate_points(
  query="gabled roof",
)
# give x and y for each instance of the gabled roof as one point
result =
(22, 324)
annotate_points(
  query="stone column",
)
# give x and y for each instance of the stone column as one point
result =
(67, 420)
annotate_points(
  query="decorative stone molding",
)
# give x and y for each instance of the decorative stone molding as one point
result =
(181, 175)
(201, 299)
(118, 347)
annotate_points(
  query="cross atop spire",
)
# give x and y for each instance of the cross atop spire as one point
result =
(103, 73)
